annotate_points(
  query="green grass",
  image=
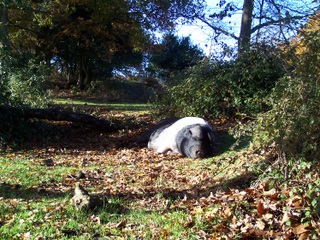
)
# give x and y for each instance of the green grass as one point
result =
(136, 108)
(21, 171)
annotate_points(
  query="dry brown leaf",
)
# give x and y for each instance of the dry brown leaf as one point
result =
(227, 212)
(164, 231)
(295, 201)
(260, 209)
(197, 210)
(303, 236)
(272, 193)
(121, 224)
(189, 222)
(302, 229)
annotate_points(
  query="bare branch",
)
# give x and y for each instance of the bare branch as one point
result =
(217, 29)
(275, 21)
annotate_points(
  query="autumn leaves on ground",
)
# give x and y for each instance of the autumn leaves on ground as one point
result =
(237, 194)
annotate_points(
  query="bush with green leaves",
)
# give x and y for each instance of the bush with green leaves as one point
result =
(22, 81)
(213, 88)
(293, 123)
(21, 85)
(194, 95)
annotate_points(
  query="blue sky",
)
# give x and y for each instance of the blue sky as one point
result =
(202, 35)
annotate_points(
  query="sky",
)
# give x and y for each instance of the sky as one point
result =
(199, 36)
(202, 35)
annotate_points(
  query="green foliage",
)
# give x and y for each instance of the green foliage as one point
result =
(293, 123)
(175, 54)
(89, 39)
(301, 179)
(22, 81)
(25, 88)
(22, 85)
(214, 88)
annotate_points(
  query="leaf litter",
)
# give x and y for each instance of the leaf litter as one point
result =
(217, 198)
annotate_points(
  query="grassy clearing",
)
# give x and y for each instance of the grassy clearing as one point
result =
(150, 196)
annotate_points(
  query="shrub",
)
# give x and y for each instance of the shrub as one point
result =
(293, 123)
(196, 94)
(214, 88)
(22, 81)
(21, 84)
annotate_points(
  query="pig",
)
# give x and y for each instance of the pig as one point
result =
(189, 136)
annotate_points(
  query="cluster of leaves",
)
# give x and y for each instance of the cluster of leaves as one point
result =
(293, 122)
(213, 88)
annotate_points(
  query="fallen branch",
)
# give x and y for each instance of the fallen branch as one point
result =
(57, 115)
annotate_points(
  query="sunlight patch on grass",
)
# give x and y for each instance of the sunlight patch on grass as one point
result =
(125, 107)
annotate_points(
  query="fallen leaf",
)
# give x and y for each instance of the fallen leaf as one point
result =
(164, 232)
(260, 224)
(121, 224)
(197, 210)
(268, 217)
(271, 193)
(227, 212)
(302, 229)
(260, 209)
(295, 201)
(189, 222)
(303, 236)
(26, 235)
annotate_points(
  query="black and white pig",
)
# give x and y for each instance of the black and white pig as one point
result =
(190, 136)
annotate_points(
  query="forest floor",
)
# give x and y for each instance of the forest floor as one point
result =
(237, 194)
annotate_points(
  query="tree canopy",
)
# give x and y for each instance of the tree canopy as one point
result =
(83, 37)
(174, 54)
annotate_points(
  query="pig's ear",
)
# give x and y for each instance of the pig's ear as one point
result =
(211, 136)
(196, 131)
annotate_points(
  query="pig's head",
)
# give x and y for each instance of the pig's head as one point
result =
(195, 141)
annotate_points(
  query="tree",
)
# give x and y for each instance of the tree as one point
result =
(262, 20)
(174, 54)
(4, 34)
(245, 29)
(76, 35)
(89, 33)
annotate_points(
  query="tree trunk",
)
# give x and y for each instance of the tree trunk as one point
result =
(245, 30)
(4, 33)
(57, 115)
(83, 71)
